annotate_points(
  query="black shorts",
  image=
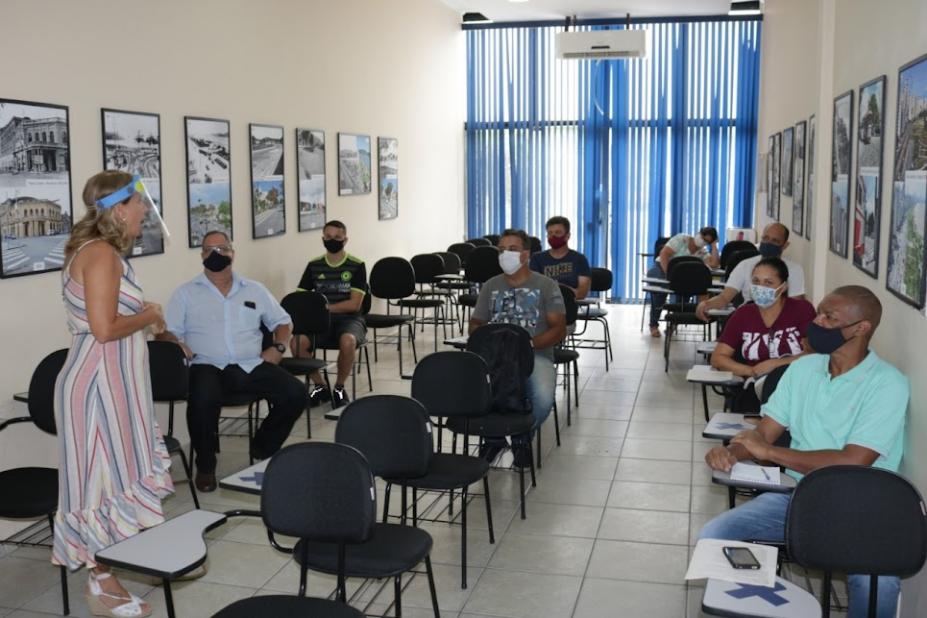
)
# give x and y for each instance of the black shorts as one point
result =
(340, 325)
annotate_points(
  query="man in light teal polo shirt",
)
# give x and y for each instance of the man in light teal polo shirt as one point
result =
(844, 405)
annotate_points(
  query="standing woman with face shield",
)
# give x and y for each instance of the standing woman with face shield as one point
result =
(113, 465)
(764, 334)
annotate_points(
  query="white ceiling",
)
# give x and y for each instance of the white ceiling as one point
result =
(504, 10)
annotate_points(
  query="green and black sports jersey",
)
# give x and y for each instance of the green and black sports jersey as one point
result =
(335, 281)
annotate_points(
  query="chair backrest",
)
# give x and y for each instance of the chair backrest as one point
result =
(392, 432)
(319, 491)
(507, 351)
(732, 247)
(427, 266)
(737, 257)
(482, 265)
(42, 390)
(367, 302)
(170, 377)
(681, 259)
(453, 384)
(463, 250)
(690, 278)
(309, 312)
(771, 382)
(569, 303)
(392, 278)
(479, 242)
(493, 239)
(451, 262)
(659, 243)
(857, 519)
(535, 244)
(601, 279)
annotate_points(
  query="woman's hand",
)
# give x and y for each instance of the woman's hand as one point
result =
(156, 315)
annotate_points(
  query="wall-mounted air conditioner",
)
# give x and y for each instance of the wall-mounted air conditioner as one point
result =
(592, 44)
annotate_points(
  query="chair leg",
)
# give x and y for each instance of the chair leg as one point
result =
(576, 382)
(492, 536)
(65, 603)
(402, 516)
(431, 587)
(189, 472)
(873, 595)
(369, 375)
(414, 507)
(308, 409)
(534, 481)
(386, 501)
(825, 595)
(397, 591)
(731, 497)
(556, 425)
(168, 597)
(463, 540)
(538, 454)
(521, 489)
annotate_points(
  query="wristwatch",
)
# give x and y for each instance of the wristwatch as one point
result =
(280, 348)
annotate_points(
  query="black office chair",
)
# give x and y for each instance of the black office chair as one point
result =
(361, 356)
(535, 244)
(569, 357)
(481, 266)
(451, 287)
(309, 312)
(493, 239)
(393, 433)
(170, 382)
(658, 245)
(392, 279)
(591, 311)
(426, 267)
(732, 247)
(479, 242)
(32, 492)
(687, 279)
(462, 250)
(320, 493)
(452, 385)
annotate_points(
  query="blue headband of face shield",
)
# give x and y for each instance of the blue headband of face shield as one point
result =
(122, 194)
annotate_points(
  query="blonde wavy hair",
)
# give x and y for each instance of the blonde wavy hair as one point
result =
(100, 223)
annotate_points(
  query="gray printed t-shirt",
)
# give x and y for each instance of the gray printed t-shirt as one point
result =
(526, 305)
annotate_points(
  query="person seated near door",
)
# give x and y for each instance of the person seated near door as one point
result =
(774, 241)
(842, 405)
(560, 263)
(766, 333)
(216, 319)
(342, 279)
(534, 302)
(703, 245)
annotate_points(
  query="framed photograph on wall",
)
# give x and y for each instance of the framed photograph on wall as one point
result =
(268, 203)
(798, 178)
(809, 201)
(35, 187)
(772, 197)
(906, 249)
(388, 176)
(209, 177)
(786, 179)
(310, 164)
(132, 144)
(353, 164)
(841, 156)
(867, 205)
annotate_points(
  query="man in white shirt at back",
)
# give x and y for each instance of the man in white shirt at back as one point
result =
(774, 241)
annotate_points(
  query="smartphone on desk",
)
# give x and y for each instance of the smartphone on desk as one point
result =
(741, 558)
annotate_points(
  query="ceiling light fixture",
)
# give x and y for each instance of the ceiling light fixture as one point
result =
(475, 18)
(747, 7)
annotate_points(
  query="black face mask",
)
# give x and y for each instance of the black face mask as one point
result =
(827, 340)
(767, 249)
(333, 245)
(216, 262)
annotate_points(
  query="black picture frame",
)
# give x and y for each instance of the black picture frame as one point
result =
(809, 200)
(354, 164)
(36, 208)
(785, 180)
(798, 177)
(907, 251)
(867, 199)
(772, 166)
(840, 177)
(268, 185)
(387, 178)
(312, 202)
(143, 159)
(208, 160)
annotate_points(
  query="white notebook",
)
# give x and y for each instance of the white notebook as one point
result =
(706, 373)
(752, 473)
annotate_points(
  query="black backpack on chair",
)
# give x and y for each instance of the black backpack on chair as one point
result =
(507, 350)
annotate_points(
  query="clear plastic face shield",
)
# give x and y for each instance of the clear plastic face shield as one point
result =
(152, 224)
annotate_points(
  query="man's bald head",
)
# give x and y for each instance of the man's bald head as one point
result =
(777, 230)
(861, 304)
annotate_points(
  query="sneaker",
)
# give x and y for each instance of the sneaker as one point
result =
(655, 331)
(491, 448)
(339, 398)
(319, 395)
(521, 453)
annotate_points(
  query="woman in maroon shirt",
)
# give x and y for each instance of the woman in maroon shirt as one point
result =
(768, 332)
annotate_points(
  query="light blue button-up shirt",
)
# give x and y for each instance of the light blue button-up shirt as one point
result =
(223, 330)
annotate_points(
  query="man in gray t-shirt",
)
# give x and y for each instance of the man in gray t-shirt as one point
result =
(532, 301)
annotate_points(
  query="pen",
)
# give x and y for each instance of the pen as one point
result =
(763, 470)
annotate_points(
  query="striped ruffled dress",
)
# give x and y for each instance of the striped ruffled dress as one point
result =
(113, 465)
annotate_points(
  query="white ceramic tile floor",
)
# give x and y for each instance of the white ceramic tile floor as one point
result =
(608, 532)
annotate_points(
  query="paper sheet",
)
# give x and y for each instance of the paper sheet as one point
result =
(706, 373)
(752, 473)
(708, 561)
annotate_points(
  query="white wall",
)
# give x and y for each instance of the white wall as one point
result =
(363, 66)
(854, 42)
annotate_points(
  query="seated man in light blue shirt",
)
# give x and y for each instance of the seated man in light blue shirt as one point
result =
(216, 318)
(844, 405)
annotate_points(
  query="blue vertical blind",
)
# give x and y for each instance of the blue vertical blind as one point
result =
(629, 150)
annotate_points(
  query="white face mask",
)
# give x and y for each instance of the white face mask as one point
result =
(699, 241)
(510, 262)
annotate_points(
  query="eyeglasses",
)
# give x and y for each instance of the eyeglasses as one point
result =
(221, 249)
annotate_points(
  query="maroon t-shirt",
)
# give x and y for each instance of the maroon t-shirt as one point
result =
(745, 331)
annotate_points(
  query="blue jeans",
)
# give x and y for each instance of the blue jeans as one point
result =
(656, 300)
(541, 385)
(763, 519)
